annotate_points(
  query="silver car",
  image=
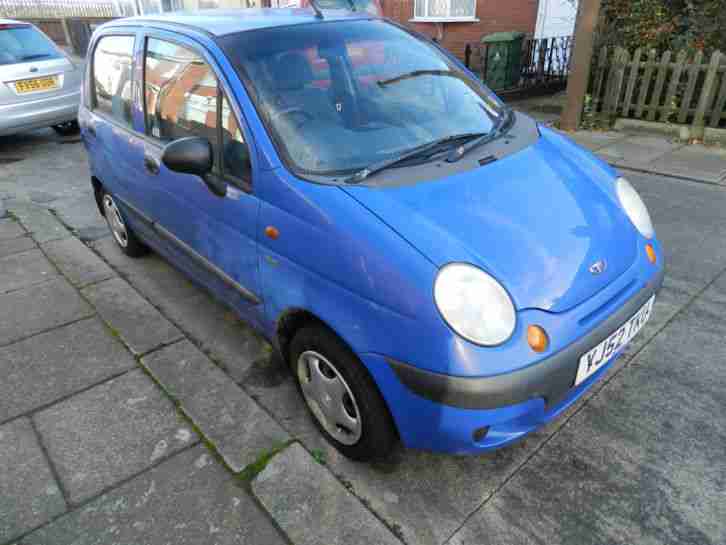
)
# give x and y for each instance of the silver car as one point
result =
(39, 85)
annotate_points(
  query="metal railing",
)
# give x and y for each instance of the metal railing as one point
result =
(543, 61)
(56, 9)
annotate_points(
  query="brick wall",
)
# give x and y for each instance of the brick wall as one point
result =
(493, 15)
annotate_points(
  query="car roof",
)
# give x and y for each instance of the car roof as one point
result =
(219, 22)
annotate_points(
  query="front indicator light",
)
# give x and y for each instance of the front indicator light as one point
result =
(650, 251)
(537, 338)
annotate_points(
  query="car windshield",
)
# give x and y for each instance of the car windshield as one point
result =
(337, 97)
(23, 43)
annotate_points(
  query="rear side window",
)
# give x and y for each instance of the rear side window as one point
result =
(112, 77)
(181, 93)
(24, 43)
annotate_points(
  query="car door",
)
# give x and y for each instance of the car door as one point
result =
(112, 126)
(184, 97)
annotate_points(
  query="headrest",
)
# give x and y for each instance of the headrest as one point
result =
(291, 71)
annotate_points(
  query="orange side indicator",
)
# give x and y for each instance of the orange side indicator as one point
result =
(537, 338)
(272, 232)
(651, 253)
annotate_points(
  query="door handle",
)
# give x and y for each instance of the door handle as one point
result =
(151, 164)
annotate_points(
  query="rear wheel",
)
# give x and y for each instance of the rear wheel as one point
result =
(342, 397)
(68, 128)
(125, 238)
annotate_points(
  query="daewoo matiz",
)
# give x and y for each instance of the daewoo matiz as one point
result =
(435, 267)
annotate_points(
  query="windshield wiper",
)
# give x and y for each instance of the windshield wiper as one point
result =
(502, 124)
(416, 74)
(422, 150)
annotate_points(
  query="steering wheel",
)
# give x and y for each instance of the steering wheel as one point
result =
(294, 110)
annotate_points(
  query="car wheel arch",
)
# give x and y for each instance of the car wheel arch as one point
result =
(293, 320)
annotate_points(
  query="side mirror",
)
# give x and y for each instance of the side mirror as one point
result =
(191, 155)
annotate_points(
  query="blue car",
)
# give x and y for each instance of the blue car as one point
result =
(436, 268)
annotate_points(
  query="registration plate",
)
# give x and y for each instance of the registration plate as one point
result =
(594, 359)
(36, 84)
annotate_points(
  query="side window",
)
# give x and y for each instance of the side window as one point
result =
(235, 153)
(112, 77)
(180, 93)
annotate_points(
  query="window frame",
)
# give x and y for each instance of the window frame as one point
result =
(223, 90)
(442, 19)
(93, 99)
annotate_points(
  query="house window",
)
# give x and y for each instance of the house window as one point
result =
(444, 10)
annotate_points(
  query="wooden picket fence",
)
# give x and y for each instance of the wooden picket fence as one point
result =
(684, 89)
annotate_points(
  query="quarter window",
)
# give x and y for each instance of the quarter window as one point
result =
(235, 154)
(112, 77)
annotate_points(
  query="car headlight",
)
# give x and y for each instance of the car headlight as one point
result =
(474, 305)
(634, 207)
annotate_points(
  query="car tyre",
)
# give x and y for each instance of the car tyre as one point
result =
(353, 417)
(67, 129)
(122, 234)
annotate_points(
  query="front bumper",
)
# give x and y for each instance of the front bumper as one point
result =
(440, 412)
(549, 379)
(38, 113)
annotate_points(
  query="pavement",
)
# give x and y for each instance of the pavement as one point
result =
(136, 409)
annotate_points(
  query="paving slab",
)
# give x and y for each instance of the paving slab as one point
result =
(637, 150)
(152, 276)
(187, 500)
(239, 429)
(29, 496)
(212, 325)
(53, 365)
(696, 161)
(10, 228)
(40, 222)
(80, 211)
(28, 311)
(219, 332)
(77, 261)
(25, 269)
(135, 320)
(312, 506)
(595, 140)
(15, 245)
(111, 432)
(641, 463)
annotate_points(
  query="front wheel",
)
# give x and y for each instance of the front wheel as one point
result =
(342, 397)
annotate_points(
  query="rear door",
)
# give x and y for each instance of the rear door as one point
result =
(113, 125)
(185, 96)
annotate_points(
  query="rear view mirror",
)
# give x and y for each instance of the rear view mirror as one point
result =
(192, 155)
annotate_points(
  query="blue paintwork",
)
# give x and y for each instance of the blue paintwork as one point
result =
(364, 259)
